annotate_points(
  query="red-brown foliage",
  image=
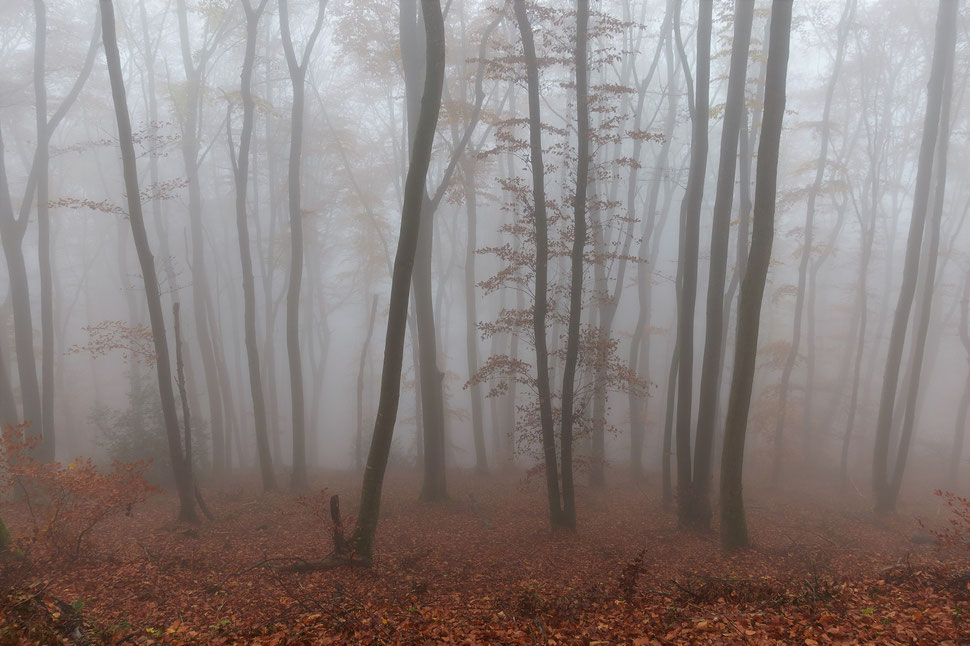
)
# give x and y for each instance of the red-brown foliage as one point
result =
(66, 502)
(485, 570)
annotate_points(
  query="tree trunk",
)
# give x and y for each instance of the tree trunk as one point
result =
(297, 69)
(181, 470)
(699, 507)
(8, 405)
(471, 315)
(929, 279)
(576, 278)
(209, 342)
(960, 428)
(639, 358)
(362, 541)
(359, 444)
(12, 235)
(431, 377)
(540, 307)
(45, 449)
(241, 172)
(734, 532)
(942, 61)
(690, 212)
(809, 233)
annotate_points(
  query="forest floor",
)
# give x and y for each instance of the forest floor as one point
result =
(485, 569)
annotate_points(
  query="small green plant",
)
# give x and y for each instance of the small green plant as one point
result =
(868, 612)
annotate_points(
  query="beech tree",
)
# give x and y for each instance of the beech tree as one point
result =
(298, 69)
(699, 507)
(932, 164)
(365, 530)
(690, 213)
(163, 365)
(240, 167)
(734, 532)
(547, 423)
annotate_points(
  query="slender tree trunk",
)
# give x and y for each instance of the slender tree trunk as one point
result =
(8, 405)
(576, 274)
(180, 382)
(241, 171)
(430, 375)
(960, 428)
(12, 237)
(540, 307)
(639, 361)
(942, 61)
(297, 69)
(46, 421)
(803, 264)
(359, 445)
(734, 532)
(691, 214)
(699, 507)
(859, 328)
(365, 531)
(210, 345)
(12, 230)
(182, 472)
(471, 315)
(929, 279)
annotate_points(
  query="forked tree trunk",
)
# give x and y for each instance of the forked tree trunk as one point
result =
(297, 69)
(734, 532)
(691, 215)
(38, 407)
(699, 506)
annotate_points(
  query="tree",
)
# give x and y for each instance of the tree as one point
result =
(690, 213)
(540, 308)
(240, 168)
(886, 485)
(365, 531)
(699, 507)
(37, 397)
(960, 426)
(430, 375)
(577, 258)
(806, 255)
(163, 367)
(359, 443)
(188, 113)
(639, 357)
(297, 68)
(734, 532)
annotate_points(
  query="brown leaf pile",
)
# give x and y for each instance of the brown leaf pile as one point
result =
(484, 569)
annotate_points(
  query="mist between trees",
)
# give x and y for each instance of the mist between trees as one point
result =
(681, 246)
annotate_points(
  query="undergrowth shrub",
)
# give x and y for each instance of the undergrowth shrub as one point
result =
(67, 502)
(958, 530)
(137, 432)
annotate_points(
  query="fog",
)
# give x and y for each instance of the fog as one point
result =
(79, 365)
